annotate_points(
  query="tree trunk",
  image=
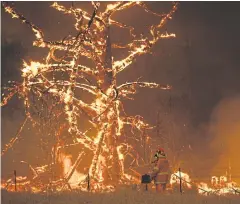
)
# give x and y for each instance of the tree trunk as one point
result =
(108, 116)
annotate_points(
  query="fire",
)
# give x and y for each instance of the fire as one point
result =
(32, 69)
(105, 112)
(175, 179)
(76, 177)
(52, 87)
(217, 185)
(224, 187)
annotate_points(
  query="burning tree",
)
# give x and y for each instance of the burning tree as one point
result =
(50, 89)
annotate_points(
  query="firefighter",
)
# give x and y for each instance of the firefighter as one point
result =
(161, 170)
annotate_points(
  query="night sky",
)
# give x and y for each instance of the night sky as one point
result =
(202, 64)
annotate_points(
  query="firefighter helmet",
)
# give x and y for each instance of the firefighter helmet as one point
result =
(161, 150)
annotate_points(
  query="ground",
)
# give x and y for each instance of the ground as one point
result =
(126, 196)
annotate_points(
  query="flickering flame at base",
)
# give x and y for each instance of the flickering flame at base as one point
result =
(175, 179)
(76, 177)
(218, 185)
(224, 187)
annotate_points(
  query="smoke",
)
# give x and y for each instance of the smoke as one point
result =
(225, 131)
(198, 58)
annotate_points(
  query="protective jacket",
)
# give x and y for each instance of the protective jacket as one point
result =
(161, 170)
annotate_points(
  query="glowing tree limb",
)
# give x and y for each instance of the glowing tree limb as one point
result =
(104, 112)
(99, 142)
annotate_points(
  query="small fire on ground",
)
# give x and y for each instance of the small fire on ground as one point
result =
(221, 185)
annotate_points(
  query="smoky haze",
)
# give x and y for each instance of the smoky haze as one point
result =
(200, 113)
(225, 130)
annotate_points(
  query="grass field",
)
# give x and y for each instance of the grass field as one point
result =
(120, 197)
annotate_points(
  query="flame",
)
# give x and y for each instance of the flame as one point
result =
(32, 69)
(105, 112)
(76, 177)
(175, 179)
(217, 185)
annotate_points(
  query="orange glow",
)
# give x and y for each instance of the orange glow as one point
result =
(175, 179)
(105, 112)
(217, 185)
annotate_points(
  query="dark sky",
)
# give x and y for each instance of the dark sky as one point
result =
(202, 63)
